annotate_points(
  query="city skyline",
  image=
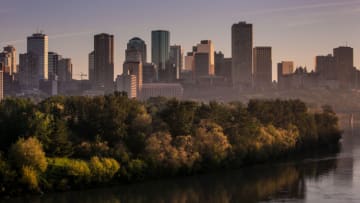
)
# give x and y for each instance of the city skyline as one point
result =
(315, 26)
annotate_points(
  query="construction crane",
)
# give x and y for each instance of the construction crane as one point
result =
(82, 75)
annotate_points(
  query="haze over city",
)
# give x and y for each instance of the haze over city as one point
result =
(296, 30)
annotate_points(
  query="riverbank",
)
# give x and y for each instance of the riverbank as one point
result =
(68, 143)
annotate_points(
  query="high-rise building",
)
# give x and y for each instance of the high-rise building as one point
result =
(325, 66)
(64, 70)
(28, 73)
(262, 67)
(206, 46)
(149, 71)
(104, 62)
(91, 67)
(12, 65)
(53, 64)
(176, 59)
(134, 68)
(242, 47)
(37, 46)
(344, 62)
(126, 83)
(284, 68)
(5, 59)
(189, 61)
(138, 44)
(219, 61)
(201, 65)
(160, 47)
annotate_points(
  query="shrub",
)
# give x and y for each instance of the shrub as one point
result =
(103, 169)
(29, 177)
(28, 152)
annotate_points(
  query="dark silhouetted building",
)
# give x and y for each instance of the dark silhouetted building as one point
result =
(64, 70)
(326, 67)
(149, 72)
(284, 68)
(242, 53)
(54, 59)
(176, 60)
(344, 63)
(91, 67)
(262, 67)
(28, 73)
(104, 62)
(139, 45)
(160, 47)
(37, 46)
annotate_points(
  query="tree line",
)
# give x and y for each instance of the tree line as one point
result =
(64, 143)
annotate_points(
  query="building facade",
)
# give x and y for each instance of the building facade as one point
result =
(262, 67)
(104, 62)
(138, 44)
(37, 46)
(160, 47)
(242, 54)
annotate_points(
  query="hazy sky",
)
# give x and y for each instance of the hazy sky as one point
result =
(297, 30)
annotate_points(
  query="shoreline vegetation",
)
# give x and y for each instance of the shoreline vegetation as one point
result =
(70, 143)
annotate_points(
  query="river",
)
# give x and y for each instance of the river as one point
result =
(326, 178)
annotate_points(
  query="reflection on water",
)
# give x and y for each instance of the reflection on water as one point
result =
(331, 178)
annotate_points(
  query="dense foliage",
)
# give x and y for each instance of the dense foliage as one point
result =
(75, 142)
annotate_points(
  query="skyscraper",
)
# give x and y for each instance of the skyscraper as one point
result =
(138, 44)
(53, 64)
(201, 65)
(12, 52)
(242, 47)
(37, 46)
(284, 68)
(160, 47)
(64, 70)
(91, 67)
(104, 62)
(326, 67)
(27, 72)
(262, 67)
(206, 46)
(344, 62)
(176, 59)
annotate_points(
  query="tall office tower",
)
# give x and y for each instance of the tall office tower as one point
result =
(326, 67)
(64, 70)
(262, 67)
(160, 47)
(344, 62)
(53, 64)
(176, 60)
(134, 68)
(37, 46)
(28, 73)
(149, 71)
(5, 59)
(242, 47)
(284, 68)
(104, 62)
(219, 62)
(91, 67)
(189, 61)
(126, 83)
(1, 83)
(206, 46)
(201, 65)
(133, 55)
(12, 52)
(138, 44)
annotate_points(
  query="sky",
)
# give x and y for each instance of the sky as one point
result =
(297, 30)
